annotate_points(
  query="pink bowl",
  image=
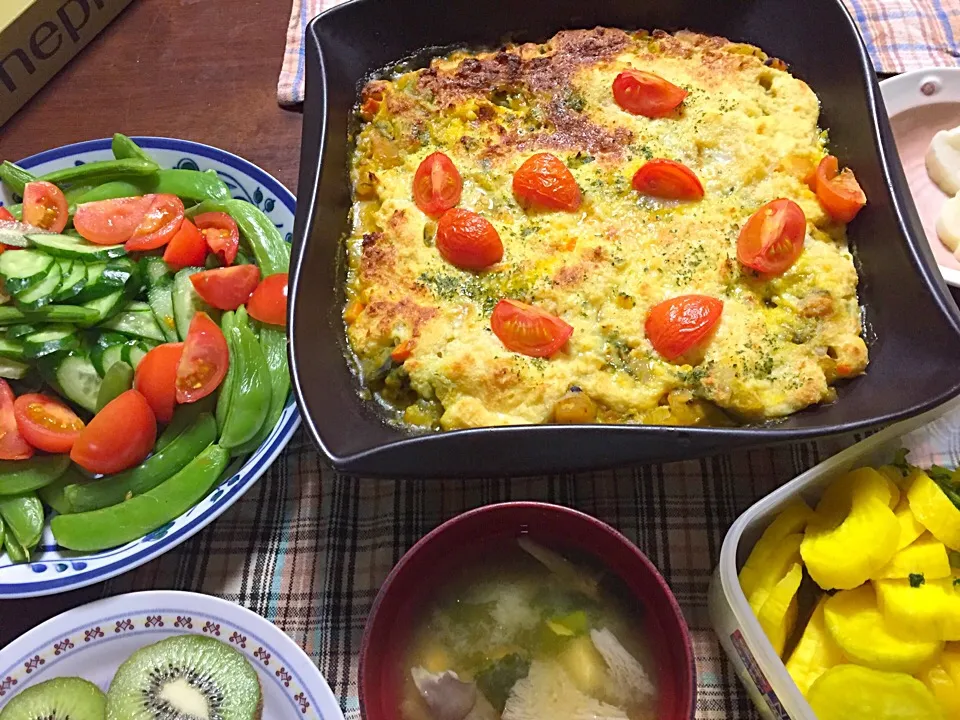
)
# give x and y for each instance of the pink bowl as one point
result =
(467, 537)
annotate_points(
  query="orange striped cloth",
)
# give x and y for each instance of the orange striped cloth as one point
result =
(900, 35)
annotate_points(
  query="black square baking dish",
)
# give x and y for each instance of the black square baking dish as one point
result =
(912, 325)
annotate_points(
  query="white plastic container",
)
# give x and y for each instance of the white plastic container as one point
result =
(756, 662)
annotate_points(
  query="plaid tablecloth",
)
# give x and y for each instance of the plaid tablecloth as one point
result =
(308, 548)
(900, 35)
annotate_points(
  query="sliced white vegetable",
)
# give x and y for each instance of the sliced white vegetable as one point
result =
(943, 160)
(948, 224)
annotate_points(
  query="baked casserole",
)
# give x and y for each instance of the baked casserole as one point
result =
(607, 227)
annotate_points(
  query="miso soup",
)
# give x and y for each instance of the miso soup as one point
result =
(527, 634)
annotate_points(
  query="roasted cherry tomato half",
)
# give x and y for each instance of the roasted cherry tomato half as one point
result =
(268, 304)
(187, 248)
(528, 330)
(46, 424)
(120, 436)
(221, 233)
(468, 240)
(679, 324)
(160, 223)
(772, 239)
(226, 288)
(6, 214)
(667, 179)
(110, 222)
(643, 93)
(839, 193)
(156, 379)
(204, 361)
(13, 446)
(437, 184)
(45, 206)
(544, 181)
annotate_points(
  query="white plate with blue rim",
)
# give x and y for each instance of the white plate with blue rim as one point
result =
(92, 641)
(55, 570)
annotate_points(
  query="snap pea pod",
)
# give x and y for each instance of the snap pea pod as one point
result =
(260, 234)
(111, 191)
(273, 342)
(16, 211)
(14, 549)
(23, 515)
(250, 394)
(77, 191)
(15, 177)
(52, 494)
(192, 185)
(20, 476)
(101, 171)
(132, 519)
(116, 381)
(226, 387)
(183, 418)
(3, 529)
(147, 475)
(124, 148)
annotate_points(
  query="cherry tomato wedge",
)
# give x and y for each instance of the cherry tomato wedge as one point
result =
(667, 179)
(528, 330)
(156, 379)
(544, 181)
(188, 247)
(681, 323)
(437, 184)
(221, 234)
(110, 222)
(839, 193)
(643, 93)
(226, 288)
(45, 206)
(120, 436)
(46, 424)
(772, 239)
(268, 304)
(12, 444)
(6, 214)
(468, 240)
(159, 225)
(204, 361)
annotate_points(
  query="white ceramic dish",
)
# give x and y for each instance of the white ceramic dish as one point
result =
(52, 570)
(93, 640)
(755, 661)
(919, 104)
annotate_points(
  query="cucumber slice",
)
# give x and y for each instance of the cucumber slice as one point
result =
(72, 279)
(136, 321)
(78, 379)
(13, 369)
(23, 269)
(98, 355)
(11, 348)
(156, 272)
(186, 301)
(102, 308)
(112, 355)
(106, 278)
(133, 353)
(77, 314)
(50, 339)
(69, 246)
(42, 293)
(15, 332)
(160, 298)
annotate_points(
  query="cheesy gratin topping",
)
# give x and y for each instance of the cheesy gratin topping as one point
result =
(420, 327)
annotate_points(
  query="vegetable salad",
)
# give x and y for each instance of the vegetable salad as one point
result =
(142, 333)
(883, 640)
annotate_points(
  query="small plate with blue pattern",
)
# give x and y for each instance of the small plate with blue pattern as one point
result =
(54, 570)
(93, 640)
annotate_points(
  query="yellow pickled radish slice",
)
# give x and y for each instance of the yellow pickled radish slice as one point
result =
(927, 556)
(778, 615)
(910, 527)
(815, 653)
(943, 681)
(843, 547)
(775, 568)
(934, 510)
(850, 692)
(891, 473)
(791, 520)
(862, 481)
(916, 609)
(856, 624)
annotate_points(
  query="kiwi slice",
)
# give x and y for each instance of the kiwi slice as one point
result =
(187, 677)
(67, 698)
